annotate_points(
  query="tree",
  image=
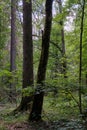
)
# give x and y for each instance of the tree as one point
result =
(27, 54)
(80, 63)
(36, 111)
(13, 48)
(63, 41)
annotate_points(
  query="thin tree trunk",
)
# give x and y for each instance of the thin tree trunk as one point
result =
(35, 114)
(63, 42)
(80, 64)
(13, 49)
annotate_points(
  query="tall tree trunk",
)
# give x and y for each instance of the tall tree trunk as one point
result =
(35, 114)
(13, 48)
(63, 42)
(27, 54)
(80, 63)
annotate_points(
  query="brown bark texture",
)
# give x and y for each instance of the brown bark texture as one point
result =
(36, 111)
(13, 50)
(27, 54)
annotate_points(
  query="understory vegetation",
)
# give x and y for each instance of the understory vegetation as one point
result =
(43, 65)
(58, 114)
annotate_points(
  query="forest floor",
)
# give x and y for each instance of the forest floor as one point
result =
(19, 122)
(59, 125)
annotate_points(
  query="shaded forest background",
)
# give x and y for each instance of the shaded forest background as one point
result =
(43, 62)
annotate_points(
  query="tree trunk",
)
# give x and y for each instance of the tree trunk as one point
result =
(13, 49)
(63, 42)
(80, 63)
(35, 114)
(27, 54)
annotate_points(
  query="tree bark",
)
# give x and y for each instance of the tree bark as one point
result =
(80, 63)
(27, 55)
(13, 49)
(27, 52)
(36, 111)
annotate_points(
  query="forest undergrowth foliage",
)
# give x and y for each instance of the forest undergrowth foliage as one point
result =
(58, 113)
(60, 108)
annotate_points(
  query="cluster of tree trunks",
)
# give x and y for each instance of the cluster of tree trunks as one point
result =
(36, 111)
(28, 78)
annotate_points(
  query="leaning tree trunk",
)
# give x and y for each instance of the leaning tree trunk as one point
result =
(13, 49)
(27, 54)
(35, 114)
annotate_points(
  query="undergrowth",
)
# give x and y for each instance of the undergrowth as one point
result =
(58, 113)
